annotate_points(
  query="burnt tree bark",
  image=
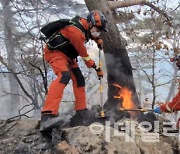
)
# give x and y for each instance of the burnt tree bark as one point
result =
(118, 65)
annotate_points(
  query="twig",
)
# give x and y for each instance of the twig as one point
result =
(20, 115)
(16, 77)
(8, 128)
(158, 10)
(3, 124)
(25, 106)
(44, 77)
(176, 8)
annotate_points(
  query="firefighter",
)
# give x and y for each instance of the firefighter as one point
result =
(64, 64)
(174, 105)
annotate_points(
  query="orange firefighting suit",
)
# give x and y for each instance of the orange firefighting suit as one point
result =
(66, 68)
(172, 106)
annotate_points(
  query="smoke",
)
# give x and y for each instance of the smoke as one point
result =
(118, 70)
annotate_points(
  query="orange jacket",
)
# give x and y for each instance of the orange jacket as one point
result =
(77, 39)
(172, 106)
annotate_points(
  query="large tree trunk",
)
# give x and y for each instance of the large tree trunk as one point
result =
(10, 47)
(119, 70)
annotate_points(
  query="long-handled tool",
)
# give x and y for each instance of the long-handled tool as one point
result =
(102, 113)
(140, 110)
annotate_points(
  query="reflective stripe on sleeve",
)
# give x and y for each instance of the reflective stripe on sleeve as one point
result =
(168, 108)
(86, 58)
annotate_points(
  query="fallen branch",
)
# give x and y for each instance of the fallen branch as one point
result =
(3, 124)
(8, 128)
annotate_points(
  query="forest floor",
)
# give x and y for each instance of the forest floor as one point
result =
(23, 137)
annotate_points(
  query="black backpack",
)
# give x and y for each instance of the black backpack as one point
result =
(54, 39)
(49, 29)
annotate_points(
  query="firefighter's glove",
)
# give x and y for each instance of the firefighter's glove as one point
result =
(99, 72)
(157, 110)
(99, 43)
(100, 46)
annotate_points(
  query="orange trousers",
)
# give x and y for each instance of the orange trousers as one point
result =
(65, 69)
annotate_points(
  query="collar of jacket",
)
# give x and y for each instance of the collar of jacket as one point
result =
(85, 24)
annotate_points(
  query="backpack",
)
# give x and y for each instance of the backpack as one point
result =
(54, 39)
(49, 29)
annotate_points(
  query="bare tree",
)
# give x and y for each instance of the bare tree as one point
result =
(157, 34)
(10, 47)
(24, 62)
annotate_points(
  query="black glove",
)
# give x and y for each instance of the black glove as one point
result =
(100, 73)
(100, 46)
(99, 42)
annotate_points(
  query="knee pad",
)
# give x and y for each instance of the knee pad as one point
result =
(66, 76)
(79, 77)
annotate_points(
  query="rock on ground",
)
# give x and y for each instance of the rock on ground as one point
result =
(21, 137)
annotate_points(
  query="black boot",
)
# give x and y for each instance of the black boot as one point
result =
(46, 121)
(49, 121)
(83, 117)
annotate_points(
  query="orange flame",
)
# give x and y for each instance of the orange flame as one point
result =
(126, 95)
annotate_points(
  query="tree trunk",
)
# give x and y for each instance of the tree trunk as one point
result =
(153, 78)
(8, 28)
(173, 84)
(119, 70)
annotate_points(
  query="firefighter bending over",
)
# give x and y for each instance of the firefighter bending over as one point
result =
(174, 105)
(62, 59)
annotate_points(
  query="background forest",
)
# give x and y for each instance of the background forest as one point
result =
(149, 39)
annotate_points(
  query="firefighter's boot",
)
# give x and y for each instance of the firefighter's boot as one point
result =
(83, 118)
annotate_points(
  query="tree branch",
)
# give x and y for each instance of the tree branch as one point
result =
(20, 115)
(43, 76)
(120, 4)
(16, 77)
(162, 84)
(158, 10)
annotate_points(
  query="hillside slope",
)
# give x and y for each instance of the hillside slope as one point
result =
(21, 137)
